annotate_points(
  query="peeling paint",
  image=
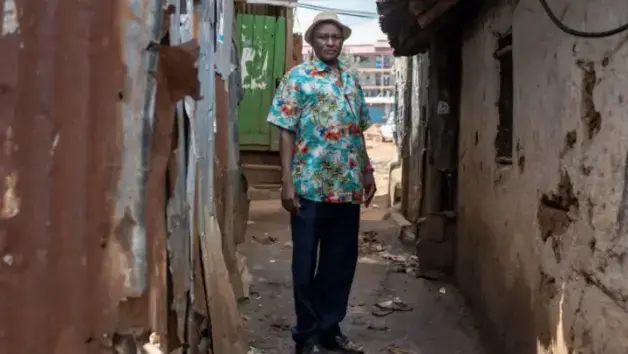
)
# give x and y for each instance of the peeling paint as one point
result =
(142, 27)
(10, 200)
(256, 59)
(55, 142)
(10, 24)
(8, 147)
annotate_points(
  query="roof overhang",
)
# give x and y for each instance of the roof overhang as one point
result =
(410, 24)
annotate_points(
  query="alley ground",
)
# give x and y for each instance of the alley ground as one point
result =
(414, 316)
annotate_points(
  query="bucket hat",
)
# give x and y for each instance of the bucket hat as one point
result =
(326, 17)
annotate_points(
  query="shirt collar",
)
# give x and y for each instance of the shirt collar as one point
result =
(320, 66)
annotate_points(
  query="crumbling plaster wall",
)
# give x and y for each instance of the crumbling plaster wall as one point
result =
(543, 244)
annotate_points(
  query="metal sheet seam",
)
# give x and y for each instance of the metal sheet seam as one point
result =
(187, 33)
(142, 27)
(205, 108)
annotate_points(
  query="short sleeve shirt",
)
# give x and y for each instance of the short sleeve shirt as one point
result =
(325, 107)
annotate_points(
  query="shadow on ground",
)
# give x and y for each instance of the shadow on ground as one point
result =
(434, 319)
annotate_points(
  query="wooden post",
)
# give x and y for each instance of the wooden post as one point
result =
(290, 62)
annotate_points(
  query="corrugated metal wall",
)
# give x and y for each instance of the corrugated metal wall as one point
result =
(76, 98)
(100, 179)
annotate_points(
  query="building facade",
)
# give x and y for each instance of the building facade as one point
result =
(536, 119)
(374, 66)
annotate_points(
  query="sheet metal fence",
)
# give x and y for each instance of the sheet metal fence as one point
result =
(83, 261)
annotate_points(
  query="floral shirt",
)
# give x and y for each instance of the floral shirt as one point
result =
(325, 107)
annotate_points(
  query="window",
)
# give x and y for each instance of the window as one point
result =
(504, 138)
(387, 62)
(378, 79)
(386, 80)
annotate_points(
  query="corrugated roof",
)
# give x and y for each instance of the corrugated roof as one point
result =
(409, 24)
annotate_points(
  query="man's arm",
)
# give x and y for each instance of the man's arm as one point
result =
(368, 168)
(286, 151)
(285, 112)
(365, 123)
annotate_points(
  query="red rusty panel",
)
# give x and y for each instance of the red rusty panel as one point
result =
(61, 81)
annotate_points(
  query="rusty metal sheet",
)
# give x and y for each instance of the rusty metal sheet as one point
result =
(141, 27)
(75, 88)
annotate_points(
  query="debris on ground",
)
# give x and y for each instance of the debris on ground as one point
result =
(387, 307)
(402, 263)
(395, 349)
(374, 133)
(369, 243)
(379, 327)
(266, 239)
(280, 326)
(431, 275)
(253, 350)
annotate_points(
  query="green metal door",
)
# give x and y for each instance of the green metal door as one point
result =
(262, 43)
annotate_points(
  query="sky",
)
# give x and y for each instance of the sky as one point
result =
(364, 31)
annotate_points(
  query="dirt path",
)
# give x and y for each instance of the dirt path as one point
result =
(437, 322)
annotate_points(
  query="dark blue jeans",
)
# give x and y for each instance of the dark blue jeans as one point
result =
(321, 294)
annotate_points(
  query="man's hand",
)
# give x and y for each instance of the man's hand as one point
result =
(369, 188)
(289, 199)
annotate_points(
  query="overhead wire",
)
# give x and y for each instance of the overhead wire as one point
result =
(577, 33)
(353, 13)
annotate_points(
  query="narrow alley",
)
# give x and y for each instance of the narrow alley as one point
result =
(146, 145)
(390, 310)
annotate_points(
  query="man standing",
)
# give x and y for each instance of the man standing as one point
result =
(320, 109)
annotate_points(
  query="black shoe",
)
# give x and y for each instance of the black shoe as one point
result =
(342, 344)
(307, 348)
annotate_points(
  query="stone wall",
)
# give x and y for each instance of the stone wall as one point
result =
(543, 243)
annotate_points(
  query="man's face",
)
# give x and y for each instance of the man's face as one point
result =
(327, 41)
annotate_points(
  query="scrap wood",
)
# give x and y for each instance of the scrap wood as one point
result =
(227, 329)
(172, 85)
(224, 191)
(176, 78)
(387, 307)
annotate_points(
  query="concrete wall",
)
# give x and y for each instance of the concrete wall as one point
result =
(542, 244)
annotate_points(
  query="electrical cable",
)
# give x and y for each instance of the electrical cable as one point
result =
(361, 14)
(578, 33)
(329, 8)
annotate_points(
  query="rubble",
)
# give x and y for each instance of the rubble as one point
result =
(265, 239)
(387, 307)
(395, 349)
(369, 243)
(402, 263)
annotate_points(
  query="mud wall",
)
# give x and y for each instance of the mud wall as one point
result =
(542, 244)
